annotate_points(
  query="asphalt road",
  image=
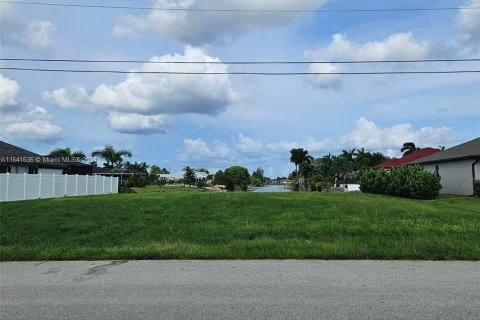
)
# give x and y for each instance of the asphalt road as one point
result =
(240, 290)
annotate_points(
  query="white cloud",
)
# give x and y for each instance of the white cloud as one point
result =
(309, 143)
(24, 120)
(247, 145)
(9, 90)
(170, 94)
(199, 28)
(150, 97)
(68, 97)
(139, 124)
(197, 151)
(469, 23)
(367, 134)
(34, 130)
(333, 81)
(149, 94)
(37, 35)
(399, 46)
(34, 36)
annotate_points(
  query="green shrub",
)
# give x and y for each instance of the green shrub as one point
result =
(137, 181)
(405, 181)
(476, 188)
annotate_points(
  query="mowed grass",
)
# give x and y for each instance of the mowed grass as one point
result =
(167, 223)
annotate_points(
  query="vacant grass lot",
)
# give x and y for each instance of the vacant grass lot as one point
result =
(166, 223)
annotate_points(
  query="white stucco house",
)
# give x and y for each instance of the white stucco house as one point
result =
(458, 167)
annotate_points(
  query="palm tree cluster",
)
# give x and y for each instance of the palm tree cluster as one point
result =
(113, 158)
(67, 153)
(326, 169)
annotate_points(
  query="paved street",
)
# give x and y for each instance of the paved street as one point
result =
(240, 290)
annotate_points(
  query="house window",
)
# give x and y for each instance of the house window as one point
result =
(32, 170)
(5, 169)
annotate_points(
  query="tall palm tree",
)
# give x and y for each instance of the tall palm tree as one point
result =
(298, 156)
(408, 148)
(342, 166)
(113, 158)
(67, 152)
(349, 154)
(362, 159)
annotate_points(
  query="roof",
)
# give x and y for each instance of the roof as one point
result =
(116, 171)
(9, 150)
(180, 175)
(10, 154)
(466, 150)
(397, 162)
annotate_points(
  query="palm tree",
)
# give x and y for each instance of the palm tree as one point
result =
(349, 154)
(112, 157)
(298, 156)
(342, 166)
(67, 152)
(362, 159)
(408, 148)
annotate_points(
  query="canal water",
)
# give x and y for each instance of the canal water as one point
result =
(272, 188)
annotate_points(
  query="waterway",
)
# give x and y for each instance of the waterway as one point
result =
(272, 188)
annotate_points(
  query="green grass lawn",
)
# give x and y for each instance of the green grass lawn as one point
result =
(167, 223)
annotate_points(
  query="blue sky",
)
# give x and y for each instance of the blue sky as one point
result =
(252, 121)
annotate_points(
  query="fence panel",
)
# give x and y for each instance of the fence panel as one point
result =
(15, 187)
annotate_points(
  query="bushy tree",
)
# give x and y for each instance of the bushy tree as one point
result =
(259, 175)
(219, 178)
(256, 182)
(137, 181)
(189, 176)
(238, 177)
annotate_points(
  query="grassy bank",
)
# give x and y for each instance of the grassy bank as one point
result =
(166, 223)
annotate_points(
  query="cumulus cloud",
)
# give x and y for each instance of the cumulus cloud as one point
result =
(469, 23)
(37, 35)
(34, 130)
(198, 151)
(139, 124)
(9, 90)
(150, 97)
(24, 120)
(399, 46)
(309, 143)
(199, 28)
(66, 98)
(34, 36)
(247, 145)
(369, 135)
(171, 94)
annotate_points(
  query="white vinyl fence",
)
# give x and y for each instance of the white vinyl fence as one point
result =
(15, 187)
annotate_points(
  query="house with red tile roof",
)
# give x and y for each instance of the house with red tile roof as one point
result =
(397, 162)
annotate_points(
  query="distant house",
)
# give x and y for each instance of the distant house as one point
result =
(179, 175)
(397, 162)
(458, 167)
(17, 160)
(122, 173)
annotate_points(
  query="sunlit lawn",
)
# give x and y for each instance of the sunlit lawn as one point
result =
(168, 223)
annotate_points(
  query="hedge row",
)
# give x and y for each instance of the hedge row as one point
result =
(405, 181)
(476, 188)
